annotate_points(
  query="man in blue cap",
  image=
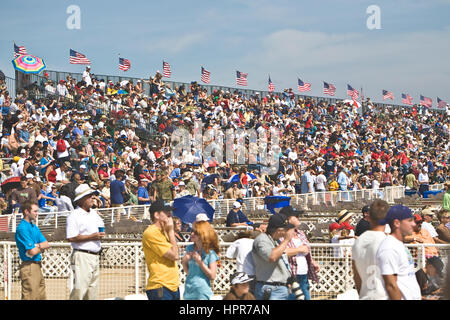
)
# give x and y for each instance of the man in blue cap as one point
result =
(393, 258)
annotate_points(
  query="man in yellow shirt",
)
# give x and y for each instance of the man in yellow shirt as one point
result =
(161, 254)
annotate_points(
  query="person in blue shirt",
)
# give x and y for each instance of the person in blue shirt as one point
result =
(236, 217)
(200, 262)
(143, 196)
(30, 243)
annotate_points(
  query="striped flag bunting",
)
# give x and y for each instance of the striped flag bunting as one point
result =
(124, 64)
(78, 58)
(329, 89)
(166, 70)
(241, 78)
(388, 95)
(206, 76)
(19, 50)
(303, 86)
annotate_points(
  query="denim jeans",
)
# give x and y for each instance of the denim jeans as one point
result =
(277, 292)
(163, 294)
(302, 280)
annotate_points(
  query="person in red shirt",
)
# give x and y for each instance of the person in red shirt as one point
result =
(103, 172)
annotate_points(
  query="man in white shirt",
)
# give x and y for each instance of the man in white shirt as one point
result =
(84, 230)
(366, 274)
(241, 250)
(394, 259)
(87, 76)
(62, 89)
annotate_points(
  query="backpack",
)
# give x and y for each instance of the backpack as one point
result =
(61, 145)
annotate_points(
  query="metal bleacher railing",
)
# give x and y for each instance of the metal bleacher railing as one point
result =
(61, 75)
(48, 222)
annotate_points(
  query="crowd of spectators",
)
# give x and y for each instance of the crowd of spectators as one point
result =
(94, 131)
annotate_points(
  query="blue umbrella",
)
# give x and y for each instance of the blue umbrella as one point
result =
(235, 178)
(186, 208)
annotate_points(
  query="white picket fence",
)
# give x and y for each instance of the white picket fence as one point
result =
(123, 270)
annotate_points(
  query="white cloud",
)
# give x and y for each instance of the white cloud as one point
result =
(176, 44)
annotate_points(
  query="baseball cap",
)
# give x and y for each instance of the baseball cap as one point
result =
(399, 212)
(236, 205)
(160, 205)
(279, 221)
(417, 217)
(239, 277)
(288, 211)
(427, 212)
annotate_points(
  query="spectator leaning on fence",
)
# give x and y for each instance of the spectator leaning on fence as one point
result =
(394, 259)
(84, 233)
(368, 280)
(161, 254)
(31, 243)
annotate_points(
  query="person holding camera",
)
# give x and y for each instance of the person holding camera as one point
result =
(302, 265)
(271, 262)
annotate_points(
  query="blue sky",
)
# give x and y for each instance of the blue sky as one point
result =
(317, 41)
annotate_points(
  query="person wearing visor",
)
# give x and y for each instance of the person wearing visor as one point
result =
(272, 268)
(240, 287)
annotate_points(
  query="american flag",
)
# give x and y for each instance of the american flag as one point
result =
(206, 75)
(166, 70)
(78, 58)
(441, 103)
(18, 50)
(124, 64)
(388, 95)
(425, 101)
(329, 89)
(271, 86)
(352, 92)
(241, 78)
(407, 99)
(303, 86)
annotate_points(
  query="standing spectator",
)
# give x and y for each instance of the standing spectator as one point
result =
(271, 262)
(446, 198)
(164, 189)
(363, 224)
(30, 243)
(394, 259)
(200, 261)
(366, 275)
(241, 250)
(22, 194)
(82, 231)
(177, 224)
(423, 181)
(87, 76)
(307, 181)
(442, 230)
(143, 196)
(161, 254)
(240, 287)
(117, 191)
(302, 265)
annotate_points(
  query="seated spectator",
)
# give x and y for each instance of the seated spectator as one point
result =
(431, 279)
(421, 235)
(428, 216)
(236, 217)
(442, 230)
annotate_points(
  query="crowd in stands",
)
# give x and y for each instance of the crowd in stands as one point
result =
(87, 131)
